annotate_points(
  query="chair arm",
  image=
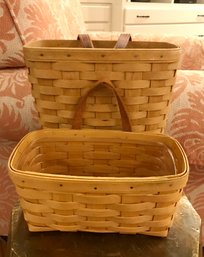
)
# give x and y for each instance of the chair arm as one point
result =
(185, 120)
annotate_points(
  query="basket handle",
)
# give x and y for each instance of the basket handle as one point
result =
(85, 40)
(77, 118)
(122, 41)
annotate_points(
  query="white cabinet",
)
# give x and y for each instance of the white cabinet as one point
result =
(164, 18)
(156, 16)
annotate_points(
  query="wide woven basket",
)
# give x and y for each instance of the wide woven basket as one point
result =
(99, 180)
(62, 71)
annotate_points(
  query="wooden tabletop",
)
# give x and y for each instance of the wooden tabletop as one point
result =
(182, 241)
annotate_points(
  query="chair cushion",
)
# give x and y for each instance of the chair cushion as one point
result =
(25, 21)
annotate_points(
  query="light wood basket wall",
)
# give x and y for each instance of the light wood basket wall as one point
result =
(62, 71)
(99, 181)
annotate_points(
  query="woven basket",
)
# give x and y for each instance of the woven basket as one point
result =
(99, 180)
(62, 71)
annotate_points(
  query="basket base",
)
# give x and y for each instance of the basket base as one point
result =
(183, 239)
(162, 233)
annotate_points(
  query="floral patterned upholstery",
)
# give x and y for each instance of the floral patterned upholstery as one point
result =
(10, 42)
(186, 118)
(57, 19)
(16, 105)
(186, 123)
(25, 21)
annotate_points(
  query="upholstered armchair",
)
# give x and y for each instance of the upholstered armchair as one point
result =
(22, 21)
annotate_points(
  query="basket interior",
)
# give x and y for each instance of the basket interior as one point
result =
(97, 157)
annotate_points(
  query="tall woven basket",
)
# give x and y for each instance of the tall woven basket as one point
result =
(63, 71)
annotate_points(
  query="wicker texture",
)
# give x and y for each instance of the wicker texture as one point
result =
(63, 71)
(99, 180)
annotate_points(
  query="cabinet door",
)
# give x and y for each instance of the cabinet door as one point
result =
(103, 15)
(97, 17)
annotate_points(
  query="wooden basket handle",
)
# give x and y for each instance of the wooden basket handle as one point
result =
(122, 41)
(77, 118)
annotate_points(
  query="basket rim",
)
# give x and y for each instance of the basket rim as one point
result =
(112, 134)
(38, 44)
(70, 50)
(49, 50)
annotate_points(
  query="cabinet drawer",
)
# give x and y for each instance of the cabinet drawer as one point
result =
(176, 29)
(160, 15)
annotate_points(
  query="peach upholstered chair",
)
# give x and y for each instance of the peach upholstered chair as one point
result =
(22, 21)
